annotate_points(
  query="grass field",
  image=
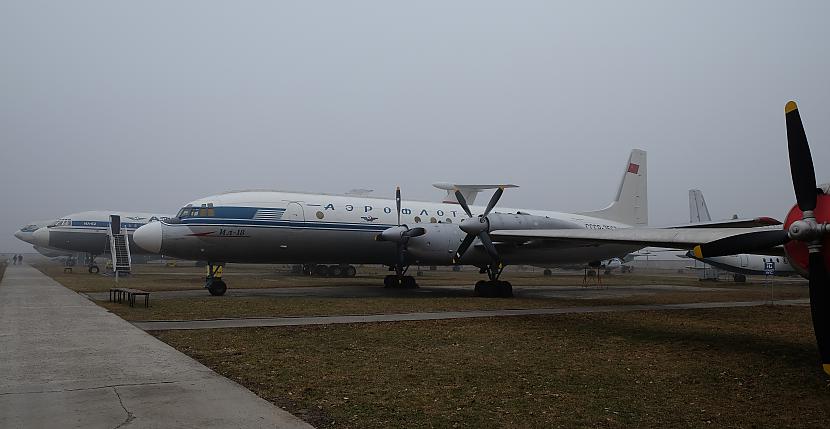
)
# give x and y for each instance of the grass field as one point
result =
(742, 367)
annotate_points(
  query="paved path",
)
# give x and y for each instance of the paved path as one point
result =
(326, 320)
(66, 362)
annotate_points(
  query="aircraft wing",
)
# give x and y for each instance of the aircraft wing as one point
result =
(732, 223)
(677, 238)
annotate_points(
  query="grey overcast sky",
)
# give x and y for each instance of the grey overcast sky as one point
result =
(147, 105)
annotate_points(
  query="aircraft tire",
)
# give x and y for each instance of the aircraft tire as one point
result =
(350, 271)
(505, 289)
(739, 278)
(335, 271)
(547, 272)
(478, 288)
(390, 282)
(217, 288)
(93, 269)
(408, 282)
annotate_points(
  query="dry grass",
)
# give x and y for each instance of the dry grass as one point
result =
(742, 367)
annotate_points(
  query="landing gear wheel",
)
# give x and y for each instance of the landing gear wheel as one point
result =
(408, 282)
(390, 282)
(93, 269)
(739, 278)
(505, 290)
(350, 271)
(479, 285)
(217, 288)
(335, 271)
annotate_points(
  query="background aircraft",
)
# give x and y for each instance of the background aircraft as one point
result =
(742, 264)
(87, 232)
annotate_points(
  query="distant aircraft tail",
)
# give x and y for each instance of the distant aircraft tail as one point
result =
(698, 212)
(631, 205)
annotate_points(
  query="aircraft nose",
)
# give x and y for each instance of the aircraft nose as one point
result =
(41, 237)
(19, 235)
(148, 237)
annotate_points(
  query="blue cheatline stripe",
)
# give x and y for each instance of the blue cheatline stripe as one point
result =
(282, 224)
(105, 224)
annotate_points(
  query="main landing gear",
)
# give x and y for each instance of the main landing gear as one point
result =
(91, 267)
(213, 280)
(494, 288)
(399, 280)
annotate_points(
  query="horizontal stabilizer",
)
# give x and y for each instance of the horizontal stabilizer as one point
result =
(468, 191)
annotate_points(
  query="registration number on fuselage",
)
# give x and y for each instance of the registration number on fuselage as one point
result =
(238, 232)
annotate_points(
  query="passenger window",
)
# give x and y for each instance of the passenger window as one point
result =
(417, 219)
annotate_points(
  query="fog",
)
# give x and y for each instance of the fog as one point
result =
(146, 106)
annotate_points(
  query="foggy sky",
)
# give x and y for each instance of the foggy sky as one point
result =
(148, 105)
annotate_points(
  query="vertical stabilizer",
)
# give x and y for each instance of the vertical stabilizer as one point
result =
(631, 205)
(698, 212)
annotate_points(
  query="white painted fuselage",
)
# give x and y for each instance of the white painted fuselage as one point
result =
(284, 227)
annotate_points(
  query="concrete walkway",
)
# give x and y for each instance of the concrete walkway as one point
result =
(327, 320)
(66, 362)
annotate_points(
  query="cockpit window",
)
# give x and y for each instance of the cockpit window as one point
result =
(61, 222)
(29, 228)
(187, 212)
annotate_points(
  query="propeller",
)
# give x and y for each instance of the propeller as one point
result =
(803, 231)
(400, 234)
(807, 230)
(477, 227)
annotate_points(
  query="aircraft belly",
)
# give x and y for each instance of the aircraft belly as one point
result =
(79, 241)
(279, 245)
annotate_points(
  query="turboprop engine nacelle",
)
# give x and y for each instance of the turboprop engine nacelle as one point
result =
(502, 221)
(440, 241)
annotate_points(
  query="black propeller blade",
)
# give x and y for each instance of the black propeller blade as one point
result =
(742, 243)
(808, 231)
(801, 162)
(460, 197)
(819, 300)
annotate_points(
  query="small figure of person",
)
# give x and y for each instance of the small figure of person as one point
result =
(14, 259)
(20, 259)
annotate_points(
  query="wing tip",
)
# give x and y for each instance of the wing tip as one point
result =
(790, 107)
(826, 368)
(698, 252)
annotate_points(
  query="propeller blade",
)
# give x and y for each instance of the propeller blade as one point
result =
(493, 200)
(460, 197)
(801, 162)
(488, 245)
(742, 243)
(462, 248)
(415, 232)
(820, 307)
(398, 202)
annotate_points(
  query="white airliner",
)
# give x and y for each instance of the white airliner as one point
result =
(88, 232)
(285, 227)
(741, 264)
(25, 234)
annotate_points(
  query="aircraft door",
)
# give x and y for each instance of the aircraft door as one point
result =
(744, 260)
(294, 212)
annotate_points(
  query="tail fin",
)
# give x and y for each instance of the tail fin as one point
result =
(631, 205)
(697, 207)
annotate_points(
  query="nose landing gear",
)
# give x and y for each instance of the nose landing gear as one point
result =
(213, 280)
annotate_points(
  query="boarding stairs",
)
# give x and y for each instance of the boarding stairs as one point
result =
(119, 247)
